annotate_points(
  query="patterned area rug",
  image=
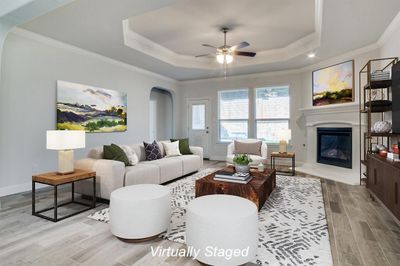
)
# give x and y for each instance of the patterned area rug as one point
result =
(292, 223)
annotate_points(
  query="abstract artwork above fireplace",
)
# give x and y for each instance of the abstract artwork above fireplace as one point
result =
(334, 146)
(333, 84)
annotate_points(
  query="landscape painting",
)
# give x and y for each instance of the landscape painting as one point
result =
(334, 84)
(82, 107)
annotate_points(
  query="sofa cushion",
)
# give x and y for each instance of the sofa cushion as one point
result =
(142, 174)
(248, 147)
(170, 168)
(190, 163)
(256, 159)
(152, 150)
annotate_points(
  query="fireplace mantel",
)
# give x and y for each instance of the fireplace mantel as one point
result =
(333, 108)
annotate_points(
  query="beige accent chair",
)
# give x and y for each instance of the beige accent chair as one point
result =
(256, 159)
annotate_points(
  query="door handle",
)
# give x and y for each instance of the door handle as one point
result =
(207, 132)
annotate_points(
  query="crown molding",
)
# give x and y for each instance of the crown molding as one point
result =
(54, 43)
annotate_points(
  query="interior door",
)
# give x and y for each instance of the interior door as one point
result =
(199, 124)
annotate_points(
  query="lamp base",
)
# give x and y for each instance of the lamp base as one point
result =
(282, 146)
(65, 162)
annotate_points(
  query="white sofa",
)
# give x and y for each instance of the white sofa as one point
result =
(256, 159)
(111, 175)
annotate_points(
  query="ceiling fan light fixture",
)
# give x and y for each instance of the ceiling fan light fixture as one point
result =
(220, 58)
(224, 58)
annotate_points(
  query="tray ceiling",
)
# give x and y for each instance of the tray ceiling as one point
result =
(164, 35)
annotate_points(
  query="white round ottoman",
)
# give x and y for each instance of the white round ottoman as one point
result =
(223, 228)
(140, 212)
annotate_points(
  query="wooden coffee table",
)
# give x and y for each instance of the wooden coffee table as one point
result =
(257, 190)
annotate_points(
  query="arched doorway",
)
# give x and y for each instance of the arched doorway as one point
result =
(161, 114)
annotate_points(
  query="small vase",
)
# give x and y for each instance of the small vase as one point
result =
(242, 168)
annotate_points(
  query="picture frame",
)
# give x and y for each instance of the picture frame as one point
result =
(334, 84)
(90, 108)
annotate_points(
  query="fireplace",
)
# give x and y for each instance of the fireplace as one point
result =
(334, 146)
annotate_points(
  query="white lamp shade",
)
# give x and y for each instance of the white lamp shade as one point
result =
(65, 139)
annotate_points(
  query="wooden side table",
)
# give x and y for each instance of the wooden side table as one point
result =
(290, 155)
(55, 180)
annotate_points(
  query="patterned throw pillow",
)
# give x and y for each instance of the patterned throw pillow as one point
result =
(152, 151)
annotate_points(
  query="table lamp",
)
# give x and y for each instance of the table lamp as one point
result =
(65, 141)
(284, 136)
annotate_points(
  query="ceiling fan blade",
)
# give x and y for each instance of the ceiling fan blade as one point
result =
(209, 45)
(241, 53)
(239, 46)
(204, 55)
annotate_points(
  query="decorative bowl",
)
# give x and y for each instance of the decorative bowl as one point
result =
(382, 127)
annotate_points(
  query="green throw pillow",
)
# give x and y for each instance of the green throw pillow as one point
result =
(116, 153)
(183, 145)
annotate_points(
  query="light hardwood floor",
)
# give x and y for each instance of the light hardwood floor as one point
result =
(361, 233)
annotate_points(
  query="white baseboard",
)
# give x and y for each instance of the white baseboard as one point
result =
(14, 189)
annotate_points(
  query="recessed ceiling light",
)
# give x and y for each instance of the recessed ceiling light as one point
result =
(311, 55)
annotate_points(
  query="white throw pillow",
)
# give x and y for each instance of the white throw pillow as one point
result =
(131, 154)
(171, 149)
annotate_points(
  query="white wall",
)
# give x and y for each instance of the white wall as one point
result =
(390, 40)
(31, 65)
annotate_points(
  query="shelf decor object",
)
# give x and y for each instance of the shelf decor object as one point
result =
(333, 84)
(382, 127)
(65, 141)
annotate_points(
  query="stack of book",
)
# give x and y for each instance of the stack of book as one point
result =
(226, 176)
(380, 75)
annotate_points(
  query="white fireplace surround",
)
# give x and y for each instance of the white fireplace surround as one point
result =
(339, 115)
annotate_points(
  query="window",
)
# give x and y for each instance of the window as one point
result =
(233, 114)
(198, 116)
(272, 112)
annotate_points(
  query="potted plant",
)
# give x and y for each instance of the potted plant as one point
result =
(242, 162)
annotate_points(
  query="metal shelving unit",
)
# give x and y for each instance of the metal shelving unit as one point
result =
(372, 91)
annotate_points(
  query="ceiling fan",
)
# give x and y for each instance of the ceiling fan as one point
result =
(224, 54)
